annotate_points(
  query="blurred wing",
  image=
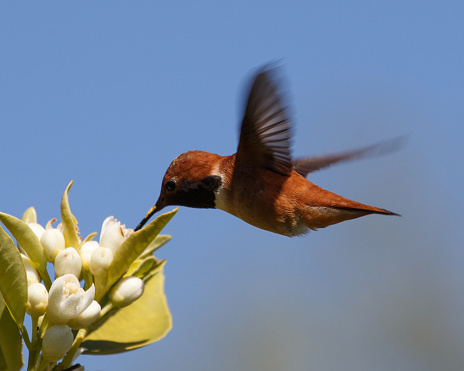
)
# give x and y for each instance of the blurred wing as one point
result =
(265, 134)
(304, 166)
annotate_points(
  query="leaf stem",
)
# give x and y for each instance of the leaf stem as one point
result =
(106, 309)
(32, 360)
(35, 321)
(68, 359)
(25, 335)
(42, 363)
(46, 279)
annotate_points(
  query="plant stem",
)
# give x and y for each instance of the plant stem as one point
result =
(35, 321)
(34, 349)
(42, 364)
(68, 359)
(32, 360)
(106, 309)
(25, 335)
(46, 279)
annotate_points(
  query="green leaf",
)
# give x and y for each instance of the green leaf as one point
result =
(68, 221)
(30, 216)
(143, 322)
(29, 242)
(88, 238)
(140, 267)
(13, 280)
(157, 268)
(11, 356)
(159, 241)
(130, 250)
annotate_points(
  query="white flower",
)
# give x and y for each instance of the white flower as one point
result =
(66, 299)
(113, 234)
(86, 252)
(37, 229)
(68, 261)
(100, 260)
(87, 317)
(37, 299)
(31, 272)
(126, 291)
(56, 342)
(52, 241)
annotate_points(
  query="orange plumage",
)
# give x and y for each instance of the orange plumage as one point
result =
(260, 184)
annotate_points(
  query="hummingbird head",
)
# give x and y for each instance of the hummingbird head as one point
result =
(189, 181)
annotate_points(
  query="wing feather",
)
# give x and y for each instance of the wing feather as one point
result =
(266, 130)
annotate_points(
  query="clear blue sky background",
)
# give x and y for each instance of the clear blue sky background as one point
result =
(107, 93)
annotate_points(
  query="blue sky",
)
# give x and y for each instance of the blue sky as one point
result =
(108, 93)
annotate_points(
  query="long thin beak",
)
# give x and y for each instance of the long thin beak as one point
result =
(146, 218)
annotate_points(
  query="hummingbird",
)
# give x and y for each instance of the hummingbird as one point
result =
(261, 184)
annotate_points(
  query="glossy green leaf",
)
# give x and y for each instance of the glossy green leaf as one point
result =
(159, 241)
(13, 280)
(130, 250)
(68, 221)
(157, 268)
(29, 242)
(143, 322)
(140, 267)
(30, 216)
(11, 356)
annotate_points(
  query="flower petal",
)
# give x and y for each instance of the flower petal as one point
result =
(67, 299)
(87, 317)
(112, 234)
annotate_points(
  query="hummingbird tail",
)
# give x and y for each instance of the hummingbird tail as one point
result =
(321, 217)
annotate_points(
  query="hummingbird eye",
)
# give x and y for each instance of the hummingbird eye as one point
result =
(170, 185)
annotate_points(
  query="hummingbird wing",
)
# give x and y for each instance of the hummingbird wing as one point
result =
(306, 165)
(265, 133)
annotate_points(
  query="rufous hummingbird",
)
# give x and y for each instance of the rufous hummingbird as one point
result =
(261, 184)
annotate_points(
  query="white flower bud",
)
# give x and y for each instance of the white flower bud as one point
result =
(37, 299)
(56, 342)
(87, 317)
(66, 299)
(113, 234)
(68, 261)
(100, 260)
(37, 229)
(52, 241)
(126, 291)
(86, 252)
(31, 272)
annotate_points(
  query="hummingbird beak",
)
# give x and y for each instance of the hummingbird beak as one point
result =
(147, 217)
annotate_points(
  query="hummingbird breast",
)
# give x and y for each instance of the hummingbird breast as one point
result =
(256, 196)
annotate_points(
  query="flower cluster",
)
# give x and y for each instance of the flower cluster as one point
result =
(67, 303)
(88, 275)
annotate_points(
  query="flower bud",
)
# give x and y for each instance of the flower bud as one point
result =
(100, 260)
(52, 241)
(31, 272)
(37, 229)
(56, 342)
(113, 234)
(37, 299)
(126, 291)
(68, 261)
(86, 252)
(87, 317)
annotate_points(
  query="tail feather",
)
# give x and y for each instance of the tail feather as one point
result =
(322, 216)
(370, 210)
